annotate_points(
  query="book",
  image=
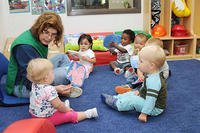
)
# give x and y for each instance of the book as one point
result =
(74, 53)
(76, 73)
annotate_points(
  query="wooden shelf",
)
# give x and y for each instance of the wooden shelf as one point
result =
(191, 23)
(198, 37)
(183, 38)
(197, 48)
(187, 56)
(196, 17)
(176, 38)
(197, 55)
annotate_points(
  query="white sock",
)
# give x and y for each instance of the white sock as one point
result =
(67, 104)
(91, 113)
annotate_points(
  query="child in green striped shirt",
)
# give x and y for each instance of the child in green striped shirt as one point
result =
(150, 99)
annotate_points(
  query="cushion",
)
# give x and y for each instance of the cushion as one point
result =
(6, 50)
(98, 45)
(6, 100)
(98, 39)
(71, 41)
(33, 125)
(10, 101)
(4, 65)
(104, 58)
(70, 46)
(3, 70)
(111, 38)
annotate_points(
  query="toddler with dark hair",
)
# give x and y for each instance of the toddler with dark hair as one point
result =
(123, 51)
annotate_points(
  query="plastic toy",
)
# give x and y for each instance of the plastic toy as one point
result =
(178, 30)
(180, 8)
(158, 31)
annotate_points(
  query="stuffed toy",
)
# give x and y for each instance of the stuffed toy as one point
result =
(180, 8)
(155, 12)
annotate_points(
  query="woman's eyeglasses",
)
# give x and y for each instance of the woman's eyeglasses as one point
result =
(47, 33)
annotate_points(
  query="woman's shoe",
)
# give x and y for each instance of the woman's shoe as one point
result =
(75, 92)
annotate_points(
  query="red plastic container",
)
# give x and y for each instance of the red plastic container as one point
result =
(181, 49)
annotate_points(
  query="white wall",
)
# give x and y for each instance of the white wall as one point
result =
(11, 25)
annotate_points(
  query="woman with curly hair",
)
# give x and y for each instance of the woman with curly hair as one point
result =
(31, 44)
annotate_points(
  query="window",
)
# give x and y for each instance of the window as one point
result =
(92, 7)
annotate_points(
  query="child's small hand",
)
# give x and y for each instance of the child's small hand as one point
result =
(136, 51)
(112, 44)
(142, 117)
(141, 77)
(136, 93)
(112, 50)
(85, 58)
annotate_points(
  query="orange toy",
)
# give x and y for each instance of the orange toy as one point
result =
(122, 89)
(158, 31)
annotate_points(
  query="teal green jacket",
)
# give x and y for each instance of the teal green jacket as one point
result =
(26, 38)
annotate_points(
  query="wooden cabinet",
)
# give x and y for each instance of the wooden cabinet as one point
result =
(178, 47)
(197, 52)
(196, 27)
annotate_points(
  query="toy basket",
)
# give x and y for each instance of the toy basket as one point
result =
(181, 49)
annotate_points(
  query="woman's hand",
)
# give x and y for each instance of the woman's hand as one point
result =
(142, 117)
(63, 89)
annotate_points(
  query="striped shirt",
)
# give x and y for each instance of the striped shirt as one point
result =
(154, 92)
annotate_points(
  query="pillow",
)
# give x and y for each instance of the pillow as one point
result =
(111, 38)
(71, 42)
(70, 46)
(98, 45)
(3, 70)
(4, 65)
